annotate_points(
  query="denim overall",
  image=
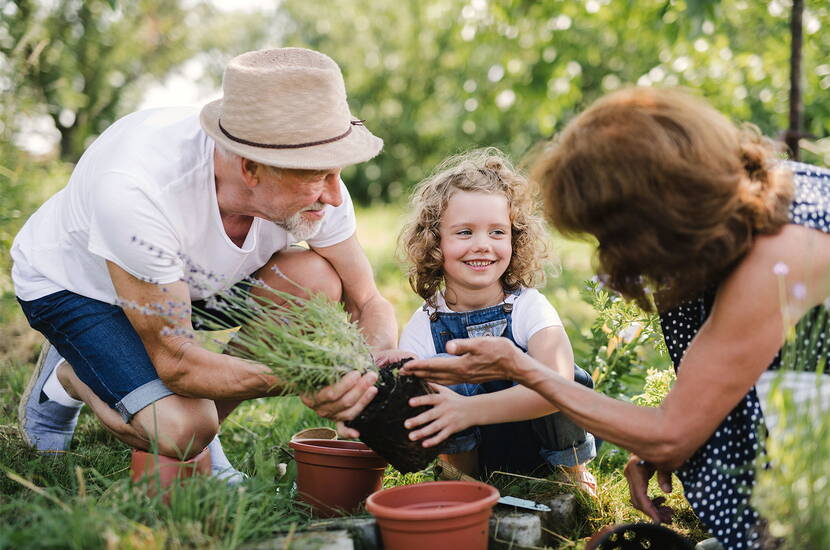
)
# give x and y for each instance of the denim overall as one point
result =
(521, 447)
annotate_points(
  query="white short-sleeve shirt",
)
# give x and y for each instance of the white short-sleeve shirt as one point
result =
(143, 196)
(531, 313)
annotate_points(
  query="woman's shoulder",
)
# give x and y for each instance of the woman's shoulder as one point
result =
(795, 242)
(798, 256)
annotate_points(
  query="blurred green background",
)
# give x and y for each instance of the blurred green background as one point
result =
(432, 77)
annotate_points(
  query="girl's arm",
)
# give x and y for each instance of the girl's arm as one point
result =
(735, 345)
(451, 413)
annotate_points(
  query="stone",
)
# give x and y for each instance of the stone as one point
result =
(307, 540)
(515, 530)
(563, 513)
(364, 531)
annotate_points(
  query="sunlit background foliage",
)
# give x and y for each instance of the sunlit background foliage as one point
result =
(432, 78)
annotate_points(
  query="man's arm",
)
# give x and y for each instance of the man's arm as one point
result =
(372, 312)
(190, 370)
(183, 365)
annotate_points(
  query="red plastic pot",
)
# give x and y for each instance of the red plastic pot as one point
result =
(164, 471)
(436, 515)
(334, 477)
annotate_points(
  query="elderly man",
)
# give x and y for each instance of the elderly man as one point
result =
(229, 190)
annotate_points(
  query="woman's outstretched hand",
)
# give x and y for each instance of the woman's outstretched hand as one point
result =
(638, 472)
(478, 360)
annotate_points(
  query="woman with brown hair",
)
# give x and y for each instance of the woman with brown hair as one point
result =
(699, 214)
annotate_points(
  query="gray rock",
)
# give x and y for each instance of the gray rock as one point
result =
(515, 530)
(563, 512)
(307, 540)
(364, 531)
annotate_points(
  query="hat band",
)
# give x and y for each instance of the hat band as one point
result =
(290, 145)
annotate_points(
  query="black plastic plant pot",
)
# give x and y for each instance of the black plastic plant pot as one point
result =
(638, 536)
(381, 422)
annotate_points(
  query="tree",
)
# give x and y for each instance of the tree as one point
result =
(438, 76)
(86, 62)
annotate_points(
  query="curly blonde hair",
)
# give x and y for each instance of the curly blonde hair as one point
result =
(483, 170)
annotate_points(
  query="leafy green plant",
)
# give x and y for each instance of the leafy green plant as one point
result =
(657, 385)
(618, 338)
(792, 491)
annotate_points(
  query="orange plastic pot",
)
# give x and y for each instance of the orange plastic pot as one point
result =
(436, 515)
(334, 477)
(164, 471)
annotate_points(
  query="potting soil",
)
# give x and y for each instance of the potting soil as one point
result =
(381, 422)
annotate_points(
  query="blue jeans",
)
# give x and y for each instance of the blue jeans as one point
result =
(104, 349)
(527, 446)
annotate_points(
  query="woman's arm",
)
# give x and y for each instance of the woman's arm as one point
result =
(735, 345)
(550, 347)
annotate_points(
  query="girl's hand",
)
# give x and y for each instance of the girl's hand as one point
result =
(638, 472)
(479, 360)
(450, 413)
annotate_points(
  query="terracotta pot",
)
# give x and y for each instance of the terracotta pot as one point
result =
(436, 515)
(168, 470)
(333, 476)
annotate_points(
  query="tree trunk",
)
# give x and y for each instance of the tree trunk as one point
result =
(794, 132)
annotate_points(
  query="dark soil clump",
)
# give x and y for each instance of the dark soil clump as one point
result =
(381, 422)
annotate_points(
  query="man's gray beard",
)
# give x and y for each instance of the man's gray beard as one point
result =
(299, 227)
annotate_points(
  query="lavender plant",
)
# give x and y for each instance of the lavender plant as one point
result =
(308, 343)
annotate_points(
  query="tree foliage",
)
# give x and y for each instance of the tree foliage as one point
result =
(437, 76)
(86, 62)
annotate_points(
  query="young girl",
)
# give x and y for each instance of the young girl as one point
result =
(475, 247)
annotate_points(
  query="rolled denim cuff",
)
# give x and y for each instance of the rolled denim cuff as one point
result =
(462, 442)
(141, 397)
(578, 454)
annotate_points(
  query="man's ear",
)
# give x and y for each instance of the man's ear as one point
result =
(250, 172)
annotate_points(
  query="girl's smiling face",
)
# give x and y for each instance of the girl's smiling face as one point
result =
(476, 247)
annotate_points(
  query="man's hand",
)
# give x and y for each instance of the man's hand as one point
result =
(449, 413)
(345, 399)
(387, 357)
(638, 472)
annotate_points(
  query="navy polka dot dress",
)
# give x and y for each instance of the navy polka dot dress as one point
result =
(718, 479)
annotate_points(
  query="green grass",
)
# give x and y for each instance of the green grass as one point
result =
(83, 499)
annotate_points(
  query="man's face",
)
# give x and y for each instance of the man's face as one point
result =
(295, 199)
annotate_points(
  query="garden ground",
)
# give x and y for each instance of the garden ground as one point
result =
(83, 498)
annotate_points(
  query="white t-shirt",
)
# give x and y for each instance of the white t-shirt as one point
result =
(531, 313)
(143, 196)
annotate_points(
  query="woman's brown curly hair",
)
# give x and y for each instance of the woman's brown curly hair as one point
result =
(672, 190)
(483, 170)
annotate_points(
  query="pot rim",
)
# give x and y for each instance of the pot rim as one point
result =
(487, 500)
(333, 447)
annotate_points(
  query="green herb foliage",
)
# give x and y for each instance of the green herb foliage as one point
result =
(308, 343)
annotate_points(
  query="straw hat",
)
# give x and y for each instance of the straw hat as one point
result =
(287, 107)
